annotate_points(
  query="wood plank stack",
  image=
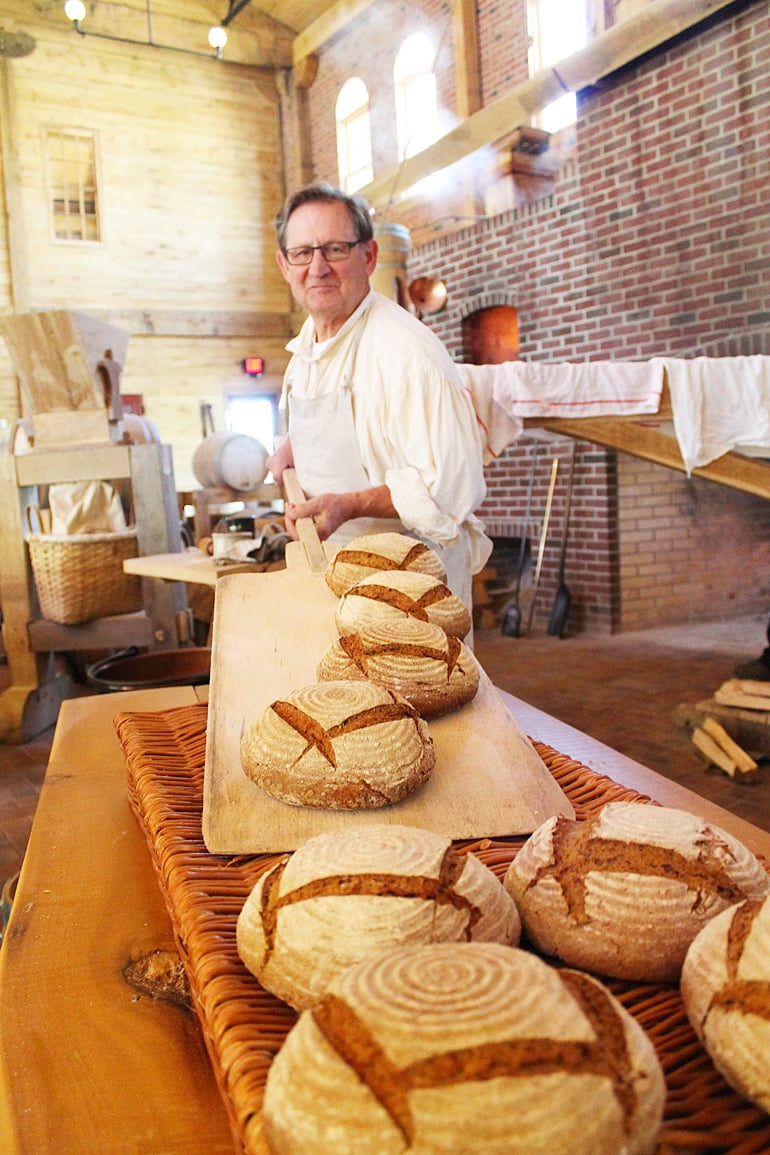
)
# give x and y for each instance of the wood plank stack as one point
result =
(738, 714)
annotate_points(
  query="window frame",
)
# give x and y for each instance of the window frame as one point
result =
(414, 111)
(84, 191)
(549, 118)
(354, 159)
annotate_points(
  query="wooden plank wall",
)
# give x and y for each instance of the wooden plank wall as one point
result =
(191, 175)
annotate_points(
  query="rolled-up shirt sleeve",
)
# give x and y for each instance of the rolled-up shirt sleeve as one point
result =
(418, 434)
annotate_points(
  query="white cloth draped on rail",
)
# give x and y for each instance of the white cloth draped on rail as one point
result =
(504, 394)
(719, 404)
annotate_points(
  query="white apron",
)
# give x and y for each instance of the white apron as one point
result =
(327, 459)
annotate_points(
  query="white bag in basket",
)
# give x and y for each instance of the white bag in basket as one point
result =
(85, 507)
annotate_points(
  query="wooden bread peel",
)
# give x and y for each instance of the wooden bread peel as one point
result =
(308, 534)
(269, 633)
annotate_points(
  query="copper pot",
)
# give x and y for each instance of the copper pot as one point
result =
(428, 295)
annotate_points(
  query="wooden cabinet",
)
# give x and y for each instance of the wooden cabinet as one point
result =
(39, 677)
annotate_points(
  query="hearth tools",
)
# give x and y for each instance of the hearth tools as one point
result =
(563, 598)
(543, 538)
(511, 625)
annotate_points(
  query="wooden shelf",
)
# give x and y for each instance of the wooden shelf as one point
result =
(37, 687)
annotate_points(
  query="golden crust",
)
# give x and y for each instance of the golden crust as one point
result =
(373, 552)
(726, 992)
(625, 892)
(420, 1047)
(402, 594)
(346, 895)
(436, 673)
(343, 745)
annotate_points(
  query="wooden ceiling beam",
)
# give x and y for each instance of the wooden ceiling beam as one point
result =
(619, 46)
(326, 27)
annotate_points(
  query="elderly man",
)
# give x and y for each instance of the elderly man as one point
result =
(380, 430)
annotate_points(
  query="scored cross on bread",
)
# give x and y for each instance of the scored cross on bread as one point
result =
(373, 552)
(400, 594)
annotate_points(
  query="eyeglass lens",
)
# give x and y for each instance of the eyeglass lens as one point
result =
(332, 251)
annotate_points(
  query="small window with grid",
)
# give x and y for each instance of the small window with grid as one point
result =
(72, 184)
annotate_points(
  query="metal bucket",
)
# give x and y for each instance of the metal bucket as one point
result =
(131, 670)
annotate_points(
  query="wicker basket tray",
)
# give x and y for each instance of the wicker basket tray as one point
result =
(80, 577)
(244, 1026)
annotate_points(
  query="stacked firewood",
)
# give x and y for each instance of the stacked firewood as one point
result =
(712, 739)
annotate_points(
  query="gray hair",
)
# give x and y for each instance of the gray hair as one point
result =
(321, 192)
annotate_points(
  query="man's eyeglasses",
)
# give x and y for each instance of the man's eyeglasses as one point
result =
(332, 251)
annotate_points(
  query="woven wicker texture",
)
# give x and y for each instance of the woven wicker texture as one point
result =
(80, 577)
(244, 1026)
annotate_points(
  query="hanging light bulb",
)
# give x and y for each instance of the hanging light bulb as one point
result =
(217, 39)
(75, 10)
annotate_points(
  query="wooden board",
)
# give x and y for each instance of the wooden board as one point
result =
(269, 633)
(56, 355)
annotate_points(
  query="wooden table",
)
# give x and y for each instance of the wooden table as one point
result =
(189, 565)
(89, 1065)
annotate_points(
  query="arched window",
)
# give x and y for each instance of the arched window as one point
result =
(354, 137)
(415, 89)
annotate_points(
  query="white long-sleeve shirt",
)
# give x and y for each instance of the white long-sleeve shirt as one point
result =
(416, 429)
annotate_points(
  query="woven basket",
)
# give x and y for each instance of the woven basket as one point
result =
(80, 577)
(244, 1026)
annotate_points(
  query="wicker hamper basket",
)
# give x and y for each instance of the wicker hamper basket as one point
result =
(80, 577)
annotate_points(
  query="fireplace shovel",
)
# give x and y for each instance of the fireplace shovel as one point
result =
(511, 626)
(563, 598)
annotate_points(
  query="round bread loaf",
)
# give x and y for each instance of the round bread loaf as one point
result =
(464, 1049)
(345, 745)
(433, 671)
(381, 551)
(348, 895)
(625, 892)
(726, 992)
(402, 594)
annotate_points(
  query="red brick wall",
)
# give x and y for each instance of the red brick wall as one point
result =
(502, 42)
(655, 241)
(368, 49)
(689, 550)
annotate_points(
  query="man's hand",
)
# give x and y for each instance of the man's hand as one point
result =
(282, 458)
(330, 510)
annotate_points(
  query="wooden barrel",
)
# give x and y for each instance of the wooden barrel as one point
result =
(140, 430)
(389, 278)
(233, 460)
